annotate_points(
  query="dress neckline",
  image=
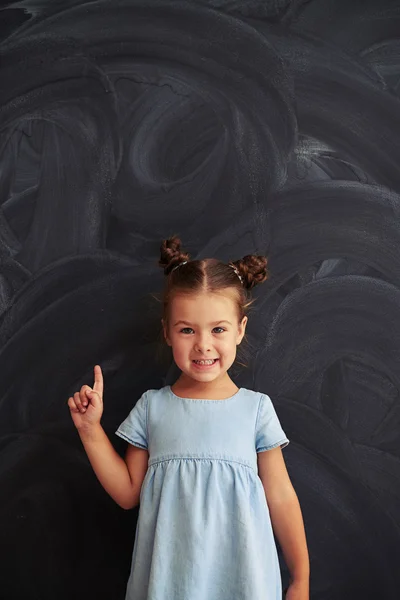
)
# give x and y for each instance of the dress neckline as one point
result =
(204, 399)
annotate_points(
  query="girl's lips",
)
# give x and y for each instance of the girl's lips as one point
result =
(203, 367)
(204, 359)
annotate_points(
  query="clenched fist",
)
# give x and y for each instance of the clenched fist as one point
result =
(87, 405)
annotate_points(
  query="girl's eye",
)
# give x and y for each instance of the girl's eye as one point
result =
(187, 330)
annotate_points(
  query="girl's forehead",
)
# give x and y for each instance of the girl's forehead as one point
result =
(205, 302)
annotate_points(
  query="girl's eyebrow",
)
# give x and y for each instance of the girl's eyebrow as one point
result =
(187, 323)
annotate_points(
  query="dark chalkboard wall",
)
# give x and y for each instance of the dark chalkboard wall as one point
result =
(251, 126)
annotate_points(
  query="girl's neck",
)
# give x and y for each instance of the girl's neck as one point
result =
(214, 390)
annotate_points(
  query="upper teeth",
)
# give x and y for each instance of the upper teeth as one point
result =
(205, 362)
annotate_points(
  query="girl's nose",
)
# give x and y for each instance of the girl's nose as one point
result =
(203, 344)
(202, 348)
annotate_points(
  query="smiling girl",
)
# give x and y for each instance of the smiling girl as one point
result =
(204, 456)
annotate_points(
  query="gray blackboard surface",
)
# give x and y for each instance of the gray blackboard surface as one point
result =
(270, 127)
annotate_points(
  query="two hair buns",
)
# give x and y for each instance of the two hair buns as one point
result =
(252, 268)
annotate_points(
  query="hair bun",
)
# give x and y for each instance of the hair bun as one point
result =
(171, 254)
(252, 269)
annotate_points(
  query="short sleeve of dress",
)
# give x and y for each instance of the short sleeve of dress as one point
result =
(134, 428)
(269, 432)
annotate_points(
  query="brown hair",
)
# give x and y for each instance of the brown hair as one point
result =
(209, 275)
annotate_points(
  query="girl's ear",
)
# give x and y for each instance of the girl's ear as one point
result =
(242, 330)
(164, 326)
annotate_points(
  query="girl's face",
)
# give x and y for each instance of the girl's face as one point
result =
(203, 332)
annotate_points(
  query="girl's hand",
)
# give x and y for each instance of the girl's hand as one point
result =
(298, 590)
(87, 405)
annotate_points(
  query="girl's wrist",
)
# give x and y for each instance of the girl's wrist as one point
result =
(90, 432)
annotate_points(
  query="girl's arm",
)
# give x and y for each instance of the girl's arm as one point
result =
(122, 479)
(286, 516)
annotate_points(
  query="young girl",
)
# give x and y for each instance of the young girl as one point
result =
(204, 456)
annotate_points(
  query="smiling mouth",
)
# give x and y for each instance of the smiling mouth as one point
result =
(210, 361)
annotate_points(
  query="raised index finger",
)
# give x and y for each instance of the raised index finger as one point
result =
(98, 380)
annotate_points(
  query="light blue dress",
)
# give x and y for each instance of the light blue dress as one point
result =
(204, 530)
